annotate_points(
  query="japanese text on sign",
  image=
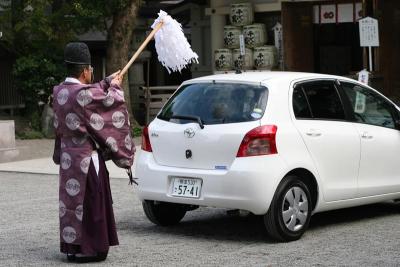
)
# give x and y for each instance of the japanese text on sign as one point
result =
(369, 34)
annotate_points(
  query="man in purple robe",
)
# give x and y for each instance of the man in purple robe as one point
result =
(92, 125)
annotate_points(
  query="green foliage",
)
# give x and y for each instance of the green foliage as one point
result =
(35, 75)
(29, 134)
(36, 32)
(32, 130)
(30, 26)
(95, 11)
(34, 119)
(137, 131)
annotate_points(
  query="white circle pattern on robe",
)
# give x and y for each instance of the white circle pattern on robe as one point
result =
(73, 187)
(108, 100)
(63, 145)
(84, 97)
(69, 234)
(120, 94)
(65, 161)
(62, 209)
(85, 163)
(128, 142)
(55, 121)
(118, 119)
(112, 144)
(79, 212)
(62, 96)
(96, 121)
(79, 140)
(72, 121)
(127, 115)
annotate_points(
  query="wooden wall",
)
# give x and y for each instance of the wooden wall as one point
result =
(388, 14)
(298, 41)
(9, 97)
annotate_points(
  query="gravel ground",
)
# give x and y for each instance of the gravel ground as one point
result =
(364, 236)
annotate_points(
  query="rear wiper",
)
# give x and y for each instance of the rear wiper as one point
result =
(190, 118)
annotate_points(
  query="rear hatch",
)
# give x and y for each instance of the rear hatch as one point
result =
(203, 124)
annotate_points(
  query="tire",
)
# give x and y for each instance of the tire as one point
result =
(163, 213)
(289, 214)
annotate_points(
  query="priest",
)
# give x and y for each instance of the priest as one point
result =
(92, 125)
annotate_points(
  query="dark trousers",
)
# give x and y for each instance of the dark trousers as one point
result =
(98, 223)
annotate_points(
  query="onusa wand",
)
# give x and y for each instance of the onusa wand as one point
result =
(173, 50)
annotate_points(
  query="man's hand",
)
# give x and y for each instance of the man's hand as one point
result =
(117, 80)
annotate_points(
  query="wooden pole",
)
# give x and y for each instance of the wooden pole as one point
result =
(141, 48)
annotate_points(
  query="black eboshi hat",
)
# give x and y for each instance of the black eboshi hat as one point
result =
(77, 53)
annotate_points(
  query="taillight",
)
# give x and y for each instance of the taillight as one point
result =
(146, 146)
(259, 141)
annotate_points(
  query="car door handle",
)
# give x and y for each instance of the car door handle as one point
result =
(313, 133)
(366, 135)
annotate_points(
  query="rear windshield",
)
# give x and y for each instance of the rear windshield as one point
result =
(216, 103)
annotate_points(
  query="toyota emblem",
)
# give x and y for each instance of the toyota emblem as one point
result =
(189, 133)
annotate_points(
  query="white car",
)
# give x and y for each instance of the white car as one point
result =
(279, 144)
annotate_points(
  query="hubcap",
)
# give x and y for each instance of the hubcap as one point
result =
(295, 209)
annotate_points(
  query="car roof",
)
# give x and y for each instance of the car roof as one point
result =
(263, 76)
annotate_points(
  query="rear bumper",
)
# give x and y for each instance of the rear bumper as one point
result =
(249, 184)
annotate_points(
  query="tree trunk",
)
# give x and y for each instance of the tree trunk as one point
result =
(120, 36)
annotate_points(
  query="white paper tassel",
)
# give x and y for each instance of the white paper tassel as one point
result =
(174, 51)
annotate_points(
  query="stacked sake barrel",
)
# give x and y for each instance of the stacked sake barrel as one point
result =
(257, 54)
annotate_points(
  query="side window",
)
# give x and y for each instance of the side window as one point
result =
(324, 100)
(300, 105)
(368, 106)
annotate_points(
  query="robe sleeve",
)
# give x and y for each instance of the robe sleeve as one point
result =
(57, 150)
(57, 141)
(107, 121)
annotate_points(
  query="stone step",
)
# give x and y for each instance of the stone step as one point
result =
(8, 150)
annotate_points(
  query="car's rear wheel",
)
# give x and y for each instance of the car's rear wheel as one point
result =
(290, 211)
(163, 213)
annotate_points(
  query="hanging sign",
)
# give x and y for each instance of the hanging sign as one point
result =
(241, 42)
(369, 34)
(328, 14)
(361, 103)
(337, 13)
(363, 76)
(278, 42)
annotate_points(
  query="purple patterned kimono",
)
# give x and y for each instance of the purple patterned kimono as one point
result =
(88, 116)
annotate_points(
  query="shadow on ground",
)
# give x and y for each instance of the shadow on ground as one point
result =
(218, 225)
(352, 215)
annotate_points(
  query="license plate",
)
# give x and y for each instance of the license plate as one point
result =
(186, 187)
